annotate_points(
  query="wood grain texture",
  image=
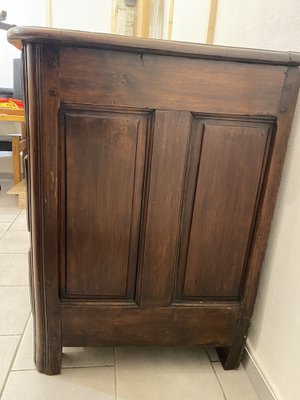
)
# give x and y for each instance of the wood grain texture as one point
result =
(92, 325)
(288, 102)
(159, 243)
(22, 34)
(49, 104)
(229, 173)
(103, 207)
(43, 208)
(231, 356)
(132, 80)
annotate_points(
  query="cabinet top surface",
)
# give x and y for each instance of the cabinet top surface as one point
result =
(20, 35)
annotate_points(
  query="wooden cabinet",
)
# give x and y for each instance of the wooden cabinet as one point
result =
(154, 168)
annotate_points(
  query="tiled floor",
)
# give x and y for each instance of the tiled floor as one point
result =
(94, 373)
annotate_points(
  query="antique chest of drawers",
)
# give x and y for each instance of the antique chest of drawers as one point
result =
(153, 173)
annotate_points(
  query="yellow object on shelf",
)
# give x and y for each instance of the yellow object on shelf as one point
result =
(13, 117)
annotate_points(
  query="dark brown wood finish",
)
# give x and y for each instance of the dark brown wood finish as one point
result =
(18, 35)
(159, 242)
(154, 168)
(111, 147)
(43, 208)
(131, 80)
(94, 325)
(230, 167)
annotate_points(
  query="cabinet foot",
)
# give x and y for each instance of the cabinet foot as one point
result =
(231, 356)
(48, 353)
(50, 363)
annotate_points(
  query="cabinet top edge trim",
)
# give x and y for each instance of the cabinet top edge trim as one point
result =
(23, 34)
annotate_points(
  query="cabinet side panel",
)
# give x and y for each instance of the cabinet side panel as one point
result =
(230, 169)
(104, 160)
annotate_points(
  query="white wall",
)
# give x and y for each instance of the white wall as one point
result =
(275, 330)
(190, 20)
(90, 15)
(87, 15)
(29, 12)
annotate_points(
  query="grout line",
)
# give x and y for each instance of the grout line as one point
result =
(11, 334)
(224, 395)
(14, 285)
(115, 374)
(10, 224)
(17, 230)
(88, 366)
(82, 367)
(12, 254)
(14, 357)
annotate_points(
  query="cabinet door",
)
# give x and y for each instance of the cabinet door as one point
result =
(226, 169)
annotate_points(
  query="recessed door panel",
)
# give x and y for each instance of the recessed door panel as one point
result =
(104, 156)
(226, 169)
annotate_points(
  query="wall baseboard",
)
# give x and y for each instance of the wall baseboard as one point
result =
(257, 379)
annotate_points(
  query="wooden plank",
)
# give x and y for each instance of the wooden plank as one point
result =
(159, 240)
(93, 325)
(43, 153)
(131, 80)
(143, 18)
(212, 21)
(152, 46)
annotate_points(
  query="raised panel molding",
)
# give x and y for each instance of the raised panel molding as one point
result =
(101, 211)
(227, 164)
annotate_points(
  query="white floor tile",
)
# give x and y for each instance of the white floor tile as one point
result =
(5, 183)
(72, 384)
(3, 227)
(19, 224)
(14, 309)
(24, 357)
(72, 356)
(8, 216)
(8, 200)
(9, 209)
(8, 346)
(13, 269)
(14, 242)
(87, 357)
(236, 384)
(165, 374)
